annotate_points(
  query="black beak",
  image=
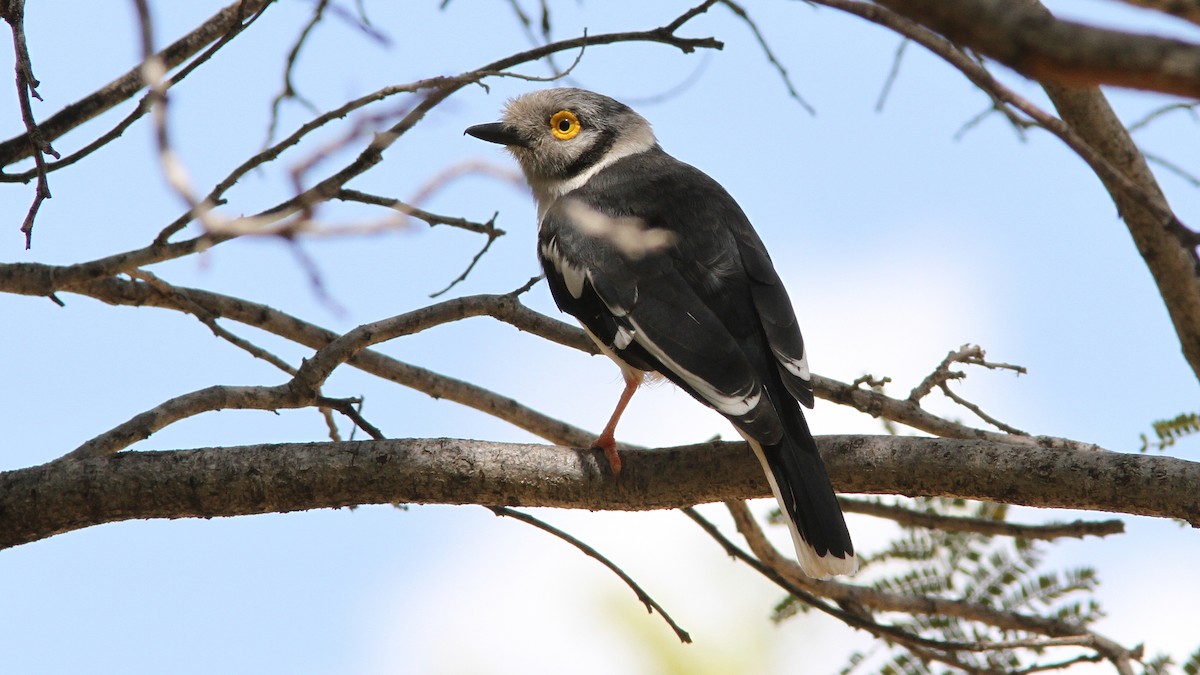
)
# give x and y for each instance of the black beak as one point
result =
(497, 132)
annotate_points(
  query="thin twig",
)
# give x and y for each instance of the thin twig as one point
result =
(130, 83)
(346, 406)
(1006, 428)
(289, 90)
(27, 86)
(854, 620)
(433, 219)
(144, 104)
(849, 595)
(741, 13)
(470, 266)
(911, 517)
(893, 73)
(649, 602)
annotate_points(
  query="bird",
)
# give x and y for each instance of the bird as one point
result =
(667, 276)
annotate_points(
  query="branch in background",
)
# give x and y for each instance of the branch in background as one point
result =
(642, 596)
(1171, 258)
(45, 280)
(126, 86)
(913, 518)
(869, 600)
(435, 91)
(1089, 128)
(1188, 10)
(1034, 43)
(489, 228)
(36, 142)
(289, 90)
(142, 107)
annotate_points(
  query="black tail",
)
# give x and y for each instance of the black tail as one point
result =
(802, 487)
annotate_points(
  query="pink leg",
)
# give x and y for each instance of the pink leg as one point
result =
(606, 441)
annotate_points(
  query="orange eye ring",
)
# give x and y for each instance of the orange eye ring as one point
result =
(564, 125)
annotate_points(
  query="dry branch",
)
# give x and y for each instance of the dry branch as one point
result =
(871, 600)
(1089, 128)
(127, 85)
(65, 495)
(1034, 43)
(45, 280)
(913, 518)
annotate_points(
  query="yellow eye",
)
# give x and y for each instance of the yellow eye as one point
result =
(564, 125)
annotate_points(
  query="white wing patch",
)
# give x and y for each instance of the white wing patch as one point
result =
(736, 404)
(573, 275)
(797, 367)
(623, 338)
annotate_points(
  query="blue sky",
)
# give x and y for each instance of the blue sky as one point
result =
(898, 243)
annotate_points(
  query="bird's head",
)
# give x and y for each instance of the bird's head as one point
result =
(563, 136)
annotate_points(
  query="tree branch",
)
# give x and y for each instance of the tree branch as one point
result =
(913, 518)
(1092, 130)
(45, 280)
(876, 600)
(125, 86)
(1037, 45)
(65, 495)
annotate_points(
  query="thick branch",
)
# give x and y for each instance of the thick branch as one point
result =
(65, 495)
(1171, 261)
(1035, 44)
(1090, 128)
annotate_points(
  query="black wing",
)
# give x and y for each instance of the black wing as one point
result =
(670, 286)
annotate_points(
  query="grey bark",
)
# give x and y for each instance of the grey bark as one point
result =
(66, 495)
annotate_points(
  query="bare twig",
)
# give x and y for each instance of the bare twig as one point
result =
(143, 105)
(883, 601)
(1174, 168)
(346, 406)
(741, 13)
(470, 266)
(289, 89)
(220, 24)
(910, 517)
(1006, 428)
(435, 91)
(893, 73)
(651, 605)
(968, 354)
(489, 228)
(37, 145)
(1186, 106)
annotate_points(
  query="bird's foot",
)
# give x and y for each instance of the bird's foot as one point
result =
(608, 444)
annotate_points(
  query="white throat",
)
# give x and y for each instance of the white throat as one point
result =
(631, 143)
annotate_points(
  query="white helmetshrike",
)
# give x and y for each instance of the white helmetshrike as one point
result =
(663, 269)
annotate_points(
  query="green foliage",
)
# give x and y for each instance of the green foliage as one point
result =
(1170, 431)
(1192, 665)
(999, 573)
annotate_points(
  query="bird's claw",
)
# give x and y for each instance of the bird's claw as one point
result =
(609, 446)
